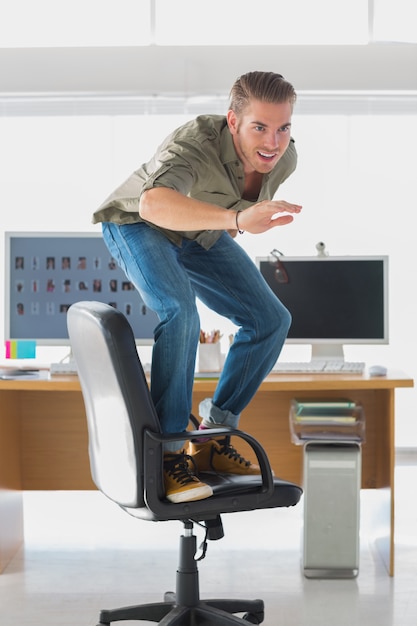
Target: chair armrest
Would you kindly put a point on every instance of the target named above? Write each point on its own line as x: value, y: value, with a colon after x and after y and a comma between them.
x: 153, y: 472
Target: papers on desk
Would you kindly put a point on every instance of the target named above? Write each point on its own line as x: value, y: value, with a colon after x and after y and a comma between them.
x: 14, y: 373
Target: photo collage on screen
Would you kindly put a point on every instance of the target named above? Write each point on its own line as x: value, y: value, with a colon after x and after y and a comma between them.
x: 48, y: 275
x: 55, y: 282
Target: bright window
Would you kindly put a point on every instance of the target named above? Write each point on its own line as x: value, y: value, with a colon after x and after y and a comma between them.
x: 109, y: 23
x: 79, y: 23
x: 269, y: 22
x: 395, y: 21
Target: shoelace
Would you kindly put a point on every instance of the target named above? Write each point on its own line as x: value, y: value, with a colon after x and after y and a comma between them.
x: 178, y: 467
x: 228, y: 450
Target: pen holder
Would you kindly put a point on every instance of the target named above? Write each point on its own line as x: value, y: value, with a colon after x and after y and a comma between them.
x: 209, y: 357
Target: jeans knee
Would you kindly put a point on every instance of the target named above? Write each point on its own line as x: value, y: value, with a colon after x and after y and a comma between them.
x: 183, y: 322
x: 286, y: 319
x: 278, y: 322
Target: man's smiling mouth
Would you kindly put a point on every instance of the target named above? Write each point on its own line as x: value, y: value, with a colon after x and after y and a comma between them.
x: 267, y: 155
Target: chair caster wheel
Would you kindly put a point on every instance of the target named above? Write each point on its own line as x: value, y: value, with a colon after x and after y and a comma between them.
x: 254, y: 618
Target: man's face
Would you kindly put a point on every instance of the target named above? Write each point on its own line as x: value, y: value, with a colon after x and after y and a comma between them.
x: 261, y: 134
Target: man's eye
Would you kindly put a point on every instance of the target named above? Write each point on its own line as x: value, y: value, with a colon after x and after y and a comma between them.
x: 260, y: 128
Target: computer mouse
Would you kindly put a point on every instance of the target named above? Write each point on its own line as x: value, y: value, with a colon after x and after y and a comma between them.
x: 377, y: 370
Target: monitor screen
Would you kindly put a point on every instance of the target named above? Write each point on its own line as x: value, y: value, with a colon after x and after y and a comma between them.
x: 46, y: 272
x: 333, y: 300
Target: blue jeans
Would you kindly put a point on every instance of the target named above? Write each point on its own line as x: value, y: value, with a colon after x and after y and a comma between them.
x: 169, y: 279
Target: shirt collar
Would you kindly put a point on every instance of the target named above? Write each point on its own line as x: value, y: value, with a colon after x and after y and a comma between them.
x: 227, y: 148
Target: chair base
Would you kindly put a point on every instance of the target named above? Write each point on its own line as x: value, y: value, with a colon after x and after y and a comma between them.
x: 168, y: 613
x: 184, y: 607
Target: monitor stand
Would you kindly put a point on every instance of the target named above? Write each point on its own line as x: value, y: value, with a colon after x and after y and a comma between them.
x: 327, y: 352
x: 65, y: 366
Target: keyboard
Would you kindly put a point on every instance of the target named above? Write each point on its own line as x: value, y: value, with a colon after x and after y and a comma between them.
x: 67, y: 368
x: 319, y: 367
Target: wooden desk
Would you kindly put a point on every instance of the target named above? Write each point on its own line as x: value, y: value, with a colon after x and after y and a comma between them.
x: 43, y: 438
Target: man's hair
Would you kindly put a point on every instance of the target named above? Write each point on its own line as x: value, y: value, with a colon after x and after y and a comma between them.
x: 263, y: 86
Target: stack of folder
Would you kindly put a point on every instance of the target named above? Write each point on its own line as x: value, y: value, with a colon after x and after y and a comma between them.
x: 338, y: 419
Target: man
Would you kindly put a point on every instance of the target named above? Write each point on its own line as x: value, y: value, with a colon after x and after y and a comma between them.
x: 171, y: 227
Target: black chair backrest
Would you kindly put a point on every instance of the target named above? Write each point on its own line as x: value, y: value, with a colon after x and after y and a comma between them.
x: 116, y: 397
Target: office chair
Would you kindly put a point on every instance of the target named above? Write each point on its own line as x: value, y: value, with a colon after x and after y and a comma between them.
x: 126, y: 459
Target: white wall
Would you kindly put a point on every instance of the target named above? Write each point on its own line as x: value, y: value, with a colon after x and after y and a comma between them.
x: 356, y: 181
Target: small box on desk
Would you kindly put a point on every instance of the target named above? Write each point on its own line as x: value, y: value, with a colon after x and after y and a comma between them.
x: 209, y: 357
x: 326, y: 420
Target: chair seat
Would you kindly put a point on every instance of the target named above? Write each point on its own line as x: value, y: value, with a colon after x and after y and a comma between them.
x: 285, y: 494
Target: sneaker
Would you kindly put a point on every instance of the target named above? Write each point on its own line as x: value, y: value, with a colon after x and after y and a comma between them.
x: 219, y: 456
x: 181, y: 483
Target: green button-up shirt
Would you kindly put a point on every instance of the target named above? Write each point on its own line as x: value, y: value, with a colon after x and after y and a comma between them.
x: 199, y: 160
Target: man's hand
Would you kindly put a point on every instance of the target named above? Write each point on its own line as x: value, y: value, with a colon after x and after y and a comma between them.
x: 266, y: 215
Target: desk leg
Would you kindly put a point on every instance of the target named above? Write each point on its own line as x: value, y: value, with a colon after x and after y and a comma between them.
x: 378, y: 462
x: 11, y: 525
x: 385, y: 439
x: 11, y: 501
x: 382, y: 528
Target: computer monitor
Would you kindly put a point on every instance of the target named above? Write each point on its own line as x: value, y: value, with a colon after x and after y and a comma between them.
x: 333, y: 301
x: 45, y: 272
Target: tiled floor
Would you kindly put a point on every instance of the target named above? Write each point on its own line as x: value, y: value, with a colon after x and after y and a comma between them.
x: 82, y: 554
